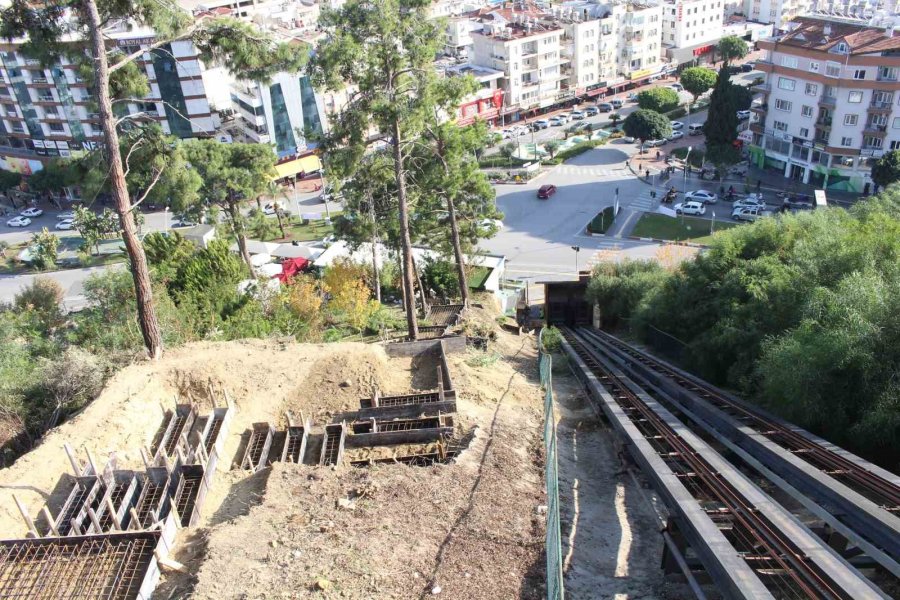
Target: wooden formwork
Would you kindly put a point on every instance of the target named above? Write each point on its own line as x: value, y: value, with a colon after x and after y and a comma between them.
x: 122, y: 491
x: 333, y: 444
x: 257, y: 452
x: 178, y: 425
x: 373, y: 432
x: 154, y: 502
x: 295, y: 443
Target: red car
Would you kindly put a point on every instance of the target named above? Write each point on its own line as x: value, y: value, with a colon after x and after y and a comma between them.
x: 546, y: 191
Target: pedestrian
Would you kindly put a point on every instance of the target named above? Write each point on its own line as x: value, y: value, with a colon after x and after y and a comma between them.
x: 648, y: 173
x: 758, y: 184
x: 657, y: 155
x: 626, y: 164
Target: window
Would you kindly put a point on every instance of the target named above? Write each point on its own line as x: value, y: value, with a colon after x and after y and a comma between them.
x: 832, y: 69
x: 872, y: 142
x: 851, y: 119
x: 806, y: 111
x: 859, y: 74
x: 855, y: 97
x: 789, y: 61
x: 842, y: 48
x: 845, y: 141
x: 896, y: 123
x: 887, y: 73
x: 779, y: 126
x: 57, y: 127
x: 812, y: 89
x: 813, y: 66
x: 786, y: 84
x: 895, y: 145
x: 804, y: 132
x: 783, y: 105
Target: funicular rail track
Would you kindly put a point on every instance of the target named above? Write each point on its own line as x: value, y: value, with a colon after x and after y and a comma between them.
x: 788, y: 561
x: 863, y: 496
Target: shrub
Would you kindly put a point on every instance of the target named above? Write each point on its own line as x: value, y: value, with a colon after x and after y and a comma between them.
x: 677, y: 113
x: 551, y: 339
x: 43, y: 249
x: 661, y: 99
x: 602, y: 221
x: 439, y: 275
x: 70, y: 381
x: 43, y: 296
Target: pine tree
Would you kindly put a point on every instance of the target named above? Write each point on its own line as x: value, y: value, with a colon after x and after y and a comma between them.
x: 721, y: 125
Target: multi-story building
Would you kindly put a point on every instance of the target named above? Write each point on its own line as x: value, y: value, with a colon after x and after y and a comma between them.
x: 830, y: 102
x: 691, y: 29
x: 579, y: 48
x: 486, y: 103
x: 47, y: 112
x: 776, y: 12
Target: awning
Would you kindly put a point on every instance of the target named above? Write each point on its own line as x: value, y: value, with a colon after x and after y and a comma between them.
x: 305, y: 164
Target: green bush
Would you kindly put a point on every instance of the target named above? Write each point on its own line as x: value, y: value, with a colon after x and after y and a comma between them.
x: 574, y: 151
x: 660, y: 99
x: 619, y: 288
x: 677, y: 113
x: 603, y: 221
x: 551, y: 339
x: 500, y: 162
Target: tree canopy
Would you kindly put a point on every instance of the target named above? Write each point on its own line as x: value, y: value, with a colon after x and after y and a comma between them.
x: 697, y: 80
x: 721, y: 123
x: 660, y: 99
x: 732, y: 47
x: 647, y: 125
x: 886, y: 169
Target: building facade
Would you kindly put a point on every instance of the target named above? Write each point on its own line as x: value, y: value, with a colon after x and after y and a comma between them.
x: 691, y: 29
x: 830, y: 103
x: 776, y: 12
x: 50, y: 112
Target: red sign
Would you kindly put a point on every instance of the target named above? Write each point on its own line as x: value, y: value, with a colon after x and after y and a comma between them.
x: 702, y: 50
x: 486, y: 108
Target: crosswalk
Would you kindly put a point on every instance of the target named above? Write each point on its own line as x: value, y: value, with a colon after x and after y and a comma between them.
x: 599, y: 172
x: 644, y: 202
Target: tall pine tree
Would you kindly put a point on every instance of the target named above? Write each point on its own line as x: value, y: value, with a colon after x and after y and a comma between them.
x: 721, y: 124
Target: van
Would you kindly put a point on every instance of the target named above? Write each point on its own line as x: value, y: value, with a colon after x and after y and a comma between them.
x: 696, y: 129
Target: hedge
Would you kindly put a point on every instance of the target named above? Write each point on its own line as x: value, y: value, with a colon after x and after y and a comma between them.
x: 497, y: 161
x: 574, y: 151
x: 602, y: 222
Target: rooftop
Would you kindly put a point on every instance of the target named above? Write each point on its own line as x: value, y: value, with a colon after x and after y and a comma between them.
x: 824, y: 34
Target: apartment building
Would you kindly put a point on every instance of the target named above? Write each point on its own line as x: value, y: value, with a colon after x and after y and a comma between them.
x: 487, y: 102
x: 830, y: 104
x: 48, y: 112
x: 776, y: 12
x: 691, y: 29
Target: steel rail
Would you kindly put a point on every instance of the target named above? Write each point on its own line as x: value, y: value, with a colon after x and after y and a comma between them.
x: 777, y: 549
x: 879, y: 490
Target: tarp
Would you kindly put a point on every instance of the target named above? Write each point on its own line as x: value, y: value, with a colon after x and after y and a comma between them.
x: 291, y: 267
x: 306, y: 164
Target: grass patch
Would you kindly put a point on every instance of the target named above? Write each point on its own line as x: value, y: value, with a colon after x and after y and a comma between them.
x: 477, y: 277
x: 306, y: 231
x: 602, y: 221
x: 696, y: 158
x: 666, y: 228
x: 499, y: 162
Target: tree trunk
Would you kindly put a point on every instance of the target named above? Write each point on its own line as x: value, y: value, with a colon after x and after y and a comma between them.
x: 420, y: 286
x: 458, y: 253
x: 280, y: 216
x: 147, y: 318
x: 405, y: 242
x: 376, y: 276
x: 238, y: 226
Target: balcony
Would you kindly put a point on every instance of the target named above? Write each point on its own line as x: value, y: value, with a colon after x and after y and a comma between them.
x: 880, y: 106
x: 827, y: 100
x: 39, y: 80
x: 762, y: 108
x: 761, y: 88
x: 45, y: 99
x: 886, y: 77
x: 757, y: 128
x: 824, y: 123
x: 875, y: 130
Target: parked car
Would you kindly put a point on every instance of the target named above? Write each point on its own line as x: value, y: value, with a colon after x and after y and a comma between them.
x: 490, y: 224
x: 676, y: 125
x: 66, y: 225
x: 702, y: 196
x: 690, y: 208
x: 605, y: 107
x: 632, y: 97
x: 797, y: 204
x: 747, y: 67
x: 591, y: 111
x: 696, y: 129
x: 628, y: 139
x: 180, y: 222
x: 557, y: 121
x: 676, y: 135
x: 69, y: 214
x: 31, y: 212
x: 677, y: 87
x: 506, y: 133
x: 617, y: 103
x: 577, y: 115
x: 546, y: 191
x: 655, y: 143
x: 748, y: 213
x: 541, y: 124
x: 18, y: 222
x: 743, y: 115
x: 519, y: 130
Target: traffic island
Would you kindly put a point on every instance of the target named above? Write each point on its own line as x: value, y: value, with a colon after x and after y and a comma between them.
x: 600, y: 224
x: 658, y: 227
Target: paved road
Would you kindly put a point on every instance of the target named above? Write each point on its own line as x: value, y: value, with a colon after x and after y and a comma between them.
x: 71, y: 281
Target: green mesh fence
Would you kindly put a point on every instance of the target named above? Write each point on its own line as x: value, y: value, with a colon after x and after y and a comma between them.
x: 555, y: 589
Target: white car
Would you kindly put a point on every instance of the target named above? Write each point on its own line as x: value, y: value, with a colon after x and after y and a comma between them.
x: 577, y: 115
x: 66, y: 225
x: 749, y: 202
x: 676, y: 125
x: 270, y: 208
x: 690, y: 208
x: 18, y: 222
x: 31, y: 212
x: 491, y: 224
x: 748, y: 213
x: 677, y: 87
x: 743, y: 115
x: 181, y: 222
x: 654, y: 143
x: 676, y: 135
x: 702, y: 196
x: 557, y: 121
x: 628, y: 139
x: 69, y: 214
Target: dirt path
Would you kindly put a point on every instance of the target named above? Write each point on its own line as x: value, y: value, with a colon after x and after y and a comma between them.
x: 611, y: 542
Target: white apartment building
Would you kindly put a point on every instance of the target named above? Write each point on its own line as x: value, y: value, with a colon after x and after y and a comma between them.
x: 48, y: 112
x: 691, y: 29
x: 830, y: 104
x: 776, y: 12
x: 579, y: 47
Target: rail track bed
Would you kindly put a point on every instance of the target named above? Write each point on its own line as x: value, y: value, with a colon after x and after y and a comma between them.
x: 748, y: 544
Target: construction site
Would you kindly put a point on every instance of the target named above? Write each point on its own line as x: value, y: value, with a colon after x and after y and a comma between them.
x: 452, y: 466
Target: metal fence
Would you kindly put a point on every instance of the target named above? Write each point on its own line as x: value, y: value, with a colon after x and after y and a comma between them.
x: 555, y: 589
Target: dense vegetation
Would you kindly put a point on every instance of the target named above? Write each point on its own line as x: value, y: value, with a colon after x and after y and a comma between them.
x: 800, y: 313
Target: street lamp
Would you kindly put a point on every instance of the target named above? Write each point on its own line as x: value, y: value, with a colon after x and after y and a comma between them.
x: 577, y: 249
x: 166, y: 222
x: 687, y: 165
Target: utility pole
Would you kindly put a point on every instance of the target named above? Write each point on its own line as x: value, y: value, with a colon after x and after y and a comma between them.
x: 577, y: 249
